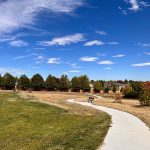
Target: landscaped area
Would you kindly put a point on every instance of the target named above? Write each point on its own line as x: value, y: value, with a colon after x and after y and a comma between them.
x: 27, y: 124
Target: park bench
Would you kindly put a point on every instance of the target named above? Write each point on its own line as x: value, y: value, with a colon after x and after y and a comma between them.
x: 90, y: 99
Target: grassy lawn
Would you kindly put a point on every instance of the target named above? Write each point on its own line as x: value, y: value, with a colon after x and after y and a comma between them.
x: 28, y: 125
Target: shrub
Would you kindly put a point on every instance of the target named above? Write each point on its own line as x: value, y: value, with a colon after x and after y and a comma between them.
x: 145, y: 94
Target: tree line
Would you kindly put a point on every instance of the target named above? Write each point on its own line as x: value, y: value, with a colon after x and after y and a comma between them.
x: 130, y: 89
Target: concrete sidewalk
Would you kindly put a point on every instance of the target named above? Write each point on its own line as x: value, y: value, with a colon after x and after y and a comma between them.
x: 127, y: 131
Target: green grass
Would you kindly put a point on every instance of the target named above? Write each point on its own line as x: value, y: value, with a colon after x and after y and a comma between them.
x: 28, y: 125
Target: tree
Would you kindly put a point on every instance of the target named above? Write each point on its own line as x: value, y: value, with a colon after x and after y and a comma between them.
x: 137, y: 88
x: 144, y: 97
x: 84, y: 83
x: 75, y: 84
x: 8, y: 81
x: 1, y: 81
x: 24, y: 82
x: 51, y: 83
x: 128, y: 92
x: 97, y: 86
x: 114, y: 87
x: 37, y: 82
x: 64, y: 83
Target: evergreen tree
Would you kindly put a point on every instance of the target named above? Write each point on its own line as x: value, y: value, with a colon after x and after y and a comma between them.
x: 97, y: 86
x: 84, y: 83
x: 75, y: 84
x: 37, y: 82
x: 64, y: 83
x: 51, y: 83
x: 8, y: 81
x: 24, y: 82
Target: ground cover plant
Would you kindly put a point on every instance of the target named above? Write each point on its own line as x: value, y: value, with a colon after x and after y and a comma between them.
x: 25, y: 124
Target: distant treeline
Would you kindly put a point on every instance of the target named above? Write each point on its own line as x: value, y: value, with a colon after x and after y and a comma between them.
x: 130, y: 89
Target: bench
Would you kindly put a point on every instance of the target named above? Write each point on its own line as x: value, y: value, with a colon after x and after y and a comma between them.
x: 90, y: 99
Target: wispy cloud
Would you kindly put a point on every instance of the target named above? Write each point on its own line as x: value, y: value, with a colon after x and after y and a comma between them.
x: 141, y: 64
x: 118, y: 56
x: 95, y: 42
x: 75, y: 66
x: 18, y: 43
x: 136, y: 5
x: 63, y: 41
x: 106, y: 62
x: 88, y: 59
x: 54, y: 61
x: 17, y: 14
x: 113, y: 43
x: 14, y: 71
x: 108, y: 68
x: 101, y: 32
x: 74, y: 71
x: 25, y: 56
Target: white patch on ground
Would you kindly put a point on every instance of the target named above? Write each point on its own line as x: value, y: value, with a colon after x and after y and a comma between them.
x: 127, y: 131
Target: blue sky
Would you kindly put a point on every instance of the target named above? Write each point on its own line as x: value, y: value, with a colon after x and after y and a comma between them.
x: 105, y: 39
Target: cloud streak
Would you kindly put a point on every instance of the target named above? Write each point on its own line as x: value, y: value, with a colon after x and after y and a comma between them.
x: 63, y: 41
x: 17, y: 14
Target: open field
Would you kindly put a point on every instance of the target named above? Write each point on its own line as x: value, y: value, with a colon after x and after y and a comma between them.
x: 127, y: 105
x: 25, y: 124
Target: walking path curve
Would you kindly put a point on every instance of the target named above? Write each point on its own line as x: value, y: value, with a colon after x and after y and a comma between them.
x: 127, y: 132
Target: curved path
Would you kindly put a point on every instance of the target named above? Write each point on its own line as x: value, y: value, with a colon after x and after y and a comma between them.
x: 127, y: 132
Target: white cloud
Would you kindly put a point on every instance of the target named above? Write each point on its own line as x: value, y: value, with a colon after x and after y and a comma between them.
x: 13, y: 71
x: 88, y: 59
x: 118, y: 56
x: 18, y: 43
x: 146, y: 45
x: 101, y: 32
x: 108, y: 68
x: 25, y: 56
x: 74, y: 71
x: 134, y: 5
x: 54, y: 61
x: 17, y: 14
x: 147, y: 53
x: 75, y: 66
x: 141, y: 64
x: 62, y: 41
x: 106, y: 62
x: 95, y: 42
x: 113, y: 43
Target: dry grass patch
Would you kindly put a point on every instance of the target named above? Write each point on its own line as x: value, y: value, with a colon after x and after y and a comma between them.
x: 127, y: 105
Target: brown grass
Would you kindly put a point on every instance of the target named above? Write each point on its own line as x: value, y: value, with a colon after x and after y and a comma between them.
x: 59, y: 99
x: 127, y: 105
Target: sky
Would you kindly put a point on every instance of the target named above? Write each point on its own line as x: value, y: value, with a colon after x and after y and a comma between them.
x: 105, y: 39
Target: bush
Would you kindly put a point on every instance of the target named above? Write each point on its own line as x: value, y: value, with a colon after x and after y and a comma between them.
x: 145, y: 95
x: 129, y: 92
